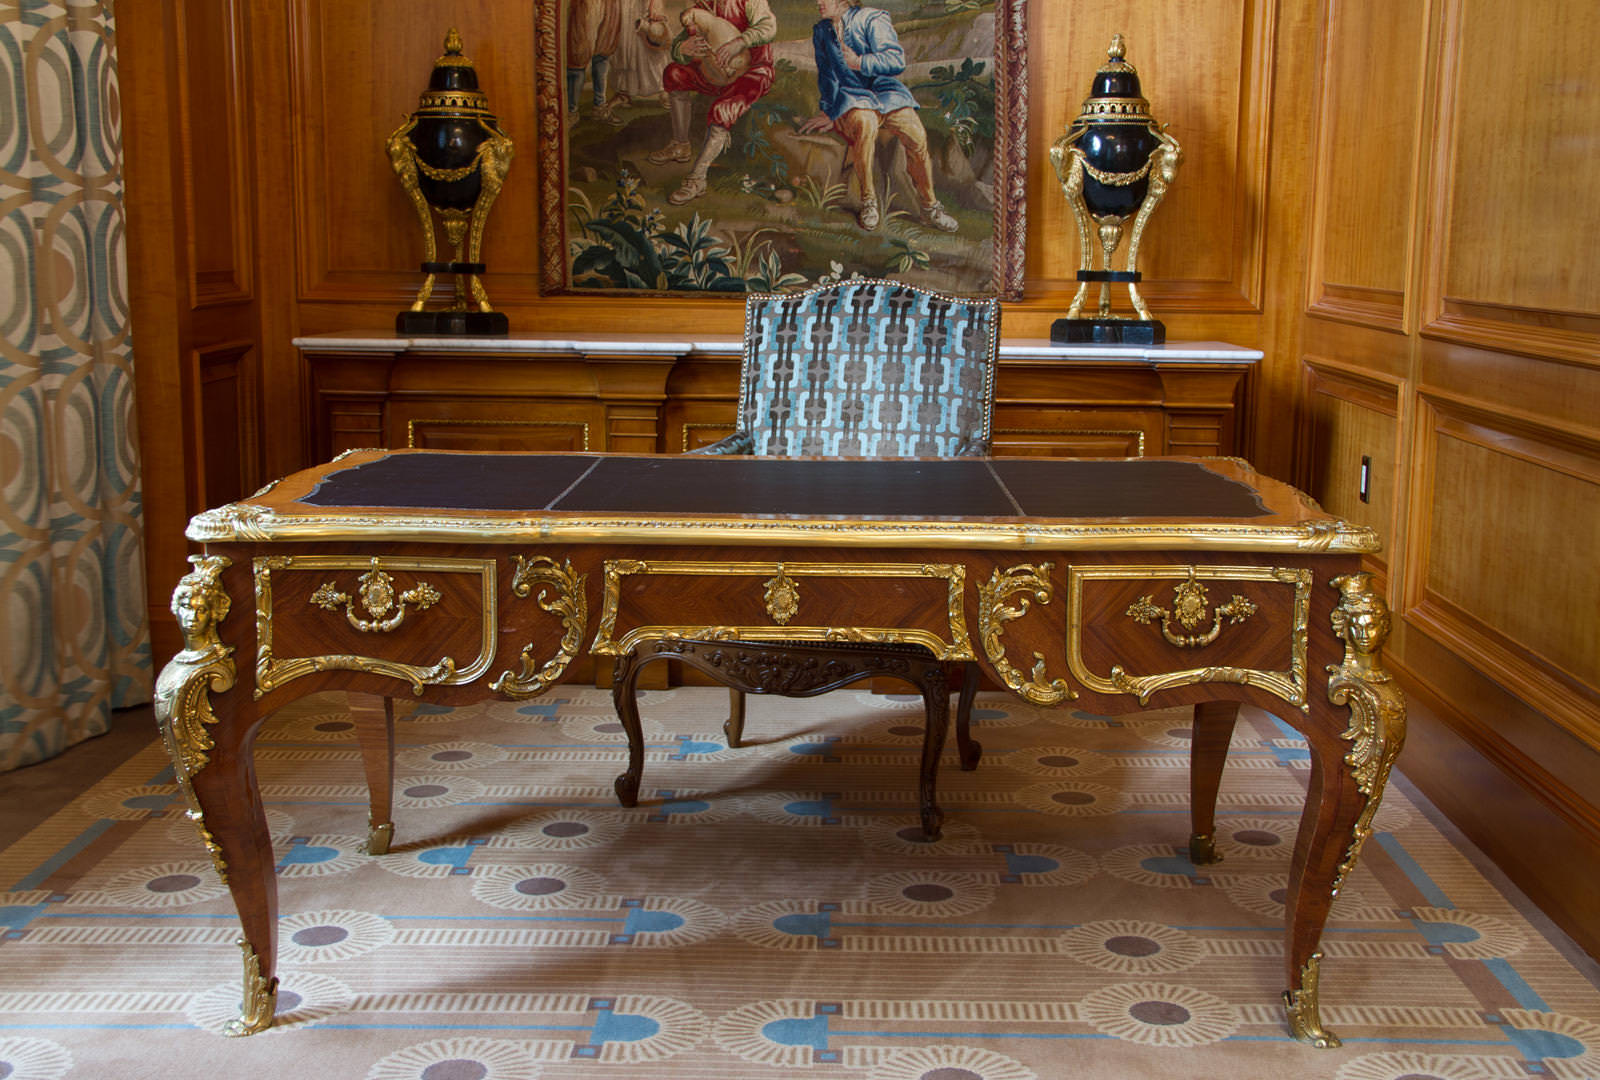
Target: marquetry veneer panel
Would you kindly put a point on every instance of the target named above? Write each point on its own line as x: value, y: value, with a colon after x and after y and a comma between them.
x: 415, y: 620
x: 1155, y: 627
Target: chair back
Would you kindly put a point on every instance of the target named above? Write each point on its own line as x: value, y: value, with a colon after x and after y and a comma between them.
x: 868, y: 368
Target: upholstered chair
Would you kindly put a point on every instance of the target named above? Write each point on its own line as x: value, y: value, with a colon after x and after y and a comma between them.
x: 865, y: 369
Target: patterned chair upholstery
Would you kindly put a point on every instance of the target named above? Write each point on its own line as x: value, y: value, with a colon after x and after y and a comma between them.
x: 864, y: 368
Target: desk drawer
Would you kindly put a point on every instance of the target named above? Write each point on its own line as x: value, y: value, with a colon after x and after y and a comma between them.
x: 1142, y: 629
x: 916, y: 603
x: 420, y: 620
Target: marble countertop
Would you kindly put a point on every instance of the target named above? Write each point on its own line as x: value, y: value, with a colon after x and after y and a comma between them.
x: 730, y: 345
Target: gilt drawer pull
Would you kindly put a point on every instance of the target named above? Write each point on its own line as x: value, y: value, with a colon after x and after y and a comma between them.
x: 1190, y: 610
x: 376, y: 591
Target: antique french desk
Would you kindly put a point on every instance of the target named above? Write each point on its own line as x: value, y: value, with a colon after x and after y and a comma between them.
x: 1112, y: 585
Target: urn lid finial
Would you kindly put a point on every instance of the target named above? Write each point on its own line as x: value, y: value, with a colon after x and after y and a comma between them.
x: 1114, y: 96
x: 453, y: 86
x: 452, y: 52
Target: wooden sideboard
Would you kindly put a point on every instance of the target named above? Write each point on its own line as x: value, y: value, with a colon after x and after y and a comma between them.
x: 642, y: 393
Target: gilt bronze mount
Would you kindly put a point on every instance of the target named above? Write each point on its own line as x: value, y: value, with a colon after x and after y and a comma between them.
x: 451, y: 158
x: 1114, y: 163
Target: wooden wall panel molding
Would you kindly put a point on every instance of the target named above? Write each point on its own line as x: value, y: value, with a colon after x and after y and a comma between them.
x: 1578, y: 808
x: 211, y: 56
x: 1352, y: 412
x: 223, y: 417
x: 1366, y: 163
x: 1208, y: 70
x: 358, y: 67
x: 1542, y: 829
x: 1500, y: 563
x: 1510, y: 263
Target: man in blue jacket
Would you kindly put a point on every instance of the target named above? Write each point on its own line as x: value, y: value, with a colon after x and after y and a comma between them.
x: 858, y: 58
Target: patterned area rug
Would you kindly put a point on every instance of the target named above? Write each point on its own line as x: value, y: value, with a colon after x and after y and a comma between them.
x: 767, y: 912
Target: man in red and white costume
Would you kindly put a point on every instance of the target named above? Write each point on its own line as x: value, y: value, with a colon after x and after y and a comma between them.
x: 684, y: 79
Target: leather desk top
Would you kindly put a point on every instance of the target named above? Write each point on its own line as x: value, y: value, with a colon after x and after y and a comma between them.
x: 979, y: 502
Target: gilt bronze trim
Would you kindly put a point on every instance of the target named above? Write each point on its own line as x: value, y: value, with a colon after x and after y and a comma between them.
x: 1377, y: 728
x: 1189, y: 605
x: 377, y: 594
x: 1290, y: 685
x: 247, y: 522
x: 183, y: 689
x: 273, y: 672
x: 957, y: 647
x: 260, y: 999
x: 568, y: 602
x: 1304, y: 1014
x: 993, y: 614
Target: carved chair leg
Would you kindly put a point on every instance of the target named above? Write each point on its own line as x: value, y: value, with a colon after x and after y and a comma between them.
x: 936, y: 700
x: 969, y: 749
x: 374, y: 720
x: 625, y: 699
x: 1208, y: 753
x: 733, y: 726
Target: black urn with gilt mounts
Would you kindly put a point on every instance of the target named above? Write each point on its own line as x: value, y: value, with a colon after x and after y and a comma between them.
x: 451, y: 158
x: 1114, y: 163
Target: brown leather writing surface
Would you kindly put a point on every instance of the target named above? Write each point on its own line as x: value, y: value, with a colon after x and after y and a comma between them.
x: 1085, y: 488
x: 460, y: 481
x: 811, y: 488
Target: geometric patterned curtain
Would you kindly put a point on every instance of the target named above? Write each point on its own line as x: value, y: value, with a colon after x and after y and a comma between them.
x: 74, y: 640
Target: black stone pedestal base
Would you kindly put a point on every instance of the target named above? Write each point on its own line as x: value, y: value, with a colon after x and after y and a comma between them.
x: 452, y: 323
x: 1108, y: 332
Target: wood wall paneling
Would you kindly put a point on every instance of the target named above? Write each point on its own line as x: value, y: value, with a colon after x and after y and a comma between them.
x: 1351, y: 420
x: 358, y: 69
x: 147, y: 68
x: 1512, y: 210
x: 227, y: 448
x: 1206, y: 68
x: 1539, y: 830
x: 1503, y: 568
x: 216, y: 185
x: 1469, y: 373
x: 1366, y: 161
